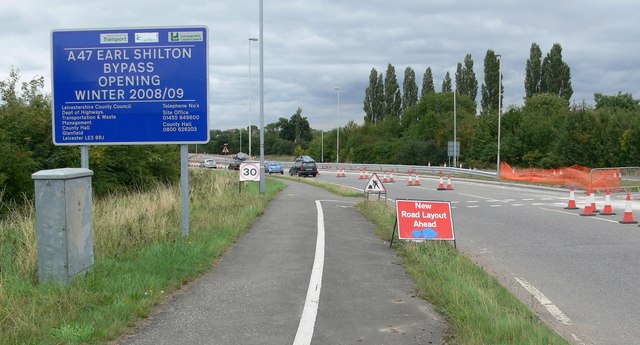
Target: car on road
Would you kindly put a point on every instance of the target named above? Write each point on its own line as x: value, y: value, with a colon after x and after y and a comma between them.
x: 274, y: 168
x: 304, y: 168
x: 209, y: 163
x: 235, y: 164
x: 237, y: 160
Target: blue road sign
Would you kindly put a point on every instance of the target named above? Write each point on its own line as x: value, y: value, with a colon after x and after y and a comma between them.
x: 130, y: 86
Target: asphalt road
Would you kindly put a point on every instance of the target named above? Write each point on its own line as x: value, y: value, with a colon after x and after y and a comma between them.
x: 309, y: 271
x: 578, y: 273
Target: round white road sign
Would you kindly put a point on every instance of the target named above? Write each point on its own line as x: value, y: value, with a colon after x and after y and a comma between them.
x: 249, y: 171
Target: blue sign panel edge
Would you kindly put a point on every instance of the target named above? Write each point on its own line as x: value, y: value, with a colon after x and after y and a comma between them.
x: 135, y: 141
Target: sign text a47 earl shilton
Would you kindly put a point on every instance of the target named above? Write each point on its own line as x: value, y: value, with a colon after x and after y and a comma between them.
x: 130, y: 86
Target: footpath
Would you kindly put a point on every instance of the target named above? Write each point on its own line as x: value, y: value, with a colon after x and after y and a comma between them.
x: 256, y: 293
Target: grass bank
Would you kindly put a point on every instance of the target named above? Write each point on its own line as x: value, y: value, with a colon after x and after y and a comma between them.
x: 140, y: 257
x: 331, y: 187
x: 480, y: 311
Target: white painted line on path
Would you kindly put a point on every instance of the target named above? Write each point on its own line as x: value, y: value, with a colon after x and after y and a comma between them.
x: 555, y: 311
x: 310, y: 311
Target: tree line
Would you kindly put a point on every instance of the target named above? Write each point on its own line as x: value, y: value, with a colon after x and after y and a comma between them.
x: 402, y: 125
x: 410, y: 125
x: 26, y: 146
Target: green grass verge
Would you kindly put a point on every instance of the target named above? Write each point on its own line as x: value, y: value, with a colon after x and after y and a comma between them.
x: 331, y: 187
x: 140, y: 258
x: 480, y: 311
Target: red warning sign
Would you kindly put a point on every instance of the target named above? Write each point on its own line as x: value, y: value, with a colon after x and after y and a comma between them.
x: 424, y: 220
x: 374, y: 185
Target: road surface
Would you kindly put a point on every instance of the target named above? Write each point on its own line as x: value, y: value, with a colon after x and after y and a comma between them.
x: 309, y: 271
x: 581, y: 274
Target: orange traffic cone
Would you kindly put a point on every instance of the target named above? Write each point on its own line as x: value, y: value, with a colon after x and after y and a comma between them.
x: 441, y: 185
x: 593, y: 202
x: 572, y: 200
x: 366, y: 174
x: 392, y: 179
x: 410, y: 181
x: 384, y: 179
x: 361, y: 175
x: 588, y: 209
x: 417, y: 180
x: 628, y: 213
x: 608, y: 210
x: 449, y: 186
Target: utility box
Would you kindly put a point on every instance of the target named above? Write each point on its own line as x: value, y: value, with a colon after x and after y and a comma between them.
x: 64, y: 223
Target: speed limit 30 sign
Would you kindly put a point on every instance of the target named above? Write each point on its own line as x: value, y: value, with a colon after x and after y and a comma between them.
x: 249, y: 171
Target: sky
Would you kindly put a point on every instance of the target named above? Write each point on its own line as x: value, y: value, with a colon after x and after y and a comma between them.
x: 313, y: 47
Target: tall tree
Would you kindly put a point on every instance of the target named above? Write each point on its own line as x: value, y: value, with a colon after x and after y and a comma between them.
x: 392, y: 100
x: 490, y: 87
x: 556, y: 74
x: 446, y: 83
x: 372, y: 101
x: 380, y: 106
x: 466, y: 82
x: 427, y: 83
x: 409, y: 89
x: 533, y: 74
x: 296, y: 129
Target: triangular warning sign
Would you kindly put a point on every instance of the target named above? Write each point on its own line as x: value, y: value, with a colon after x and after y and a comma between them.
x: 375, y: 185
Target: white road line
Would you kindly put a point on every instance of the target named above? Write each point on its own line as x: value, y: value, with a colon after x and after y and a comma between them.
x: 477, y: 196
x: 555, y: 311
x: 578, y: 215
x: 578, y: 340
x: 310, y: 311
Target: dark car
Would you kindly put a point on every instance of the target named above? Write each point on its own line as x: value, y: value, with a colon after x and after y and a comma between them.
x: 235, y: 164
x: 304, y: 168
x: 237, y: 160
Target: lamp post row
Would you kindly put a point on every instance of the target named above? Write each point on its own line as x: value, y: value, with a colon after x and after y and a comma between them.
x: 499, y: 111
x: 251, y: 39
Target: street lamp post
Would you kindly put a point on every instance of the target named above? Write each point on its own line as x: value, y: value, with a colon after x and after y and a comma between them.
x: 455, y: 129
x: 322, y: 145
x: 499, y: 110
x: 250, y: 94
x: 337, y: 89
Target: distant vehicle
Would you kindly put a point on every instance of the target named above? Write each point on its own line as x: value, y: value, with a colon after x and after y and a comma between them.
x: 304, y: 168
x: 235, y: 164
x: 304, y: 159
x: 274, y: 168
x: 209, y: 163
x: 237, y: 160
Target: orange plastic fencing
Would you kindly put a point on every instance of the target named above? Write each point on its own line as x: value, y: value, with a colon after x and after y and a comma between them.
x: 575, y: 175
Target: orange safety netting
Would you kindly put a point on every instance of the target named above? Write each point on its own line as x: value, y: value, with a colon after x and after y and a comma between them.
x: 574, y: 175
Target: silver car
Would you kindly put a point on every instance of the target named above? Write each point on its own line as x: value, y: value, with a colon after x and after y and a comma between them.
x: 209, y: 163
